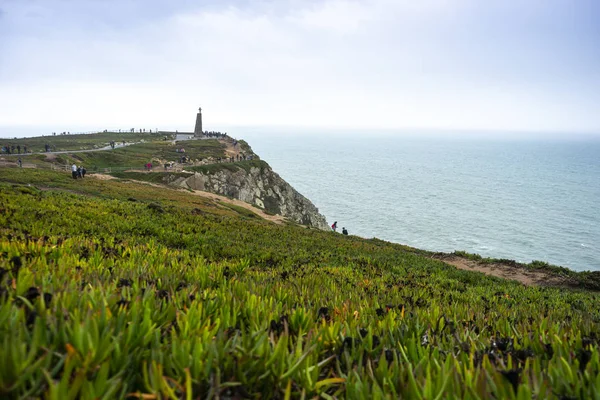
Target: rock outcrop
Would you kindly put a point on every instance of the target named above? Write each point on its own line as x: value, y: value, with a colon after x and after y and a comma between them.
x: 255, y: 183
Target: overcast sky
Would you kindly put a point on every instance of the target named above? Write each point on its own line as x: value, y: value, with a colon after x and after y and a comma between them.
x: 456, y: 64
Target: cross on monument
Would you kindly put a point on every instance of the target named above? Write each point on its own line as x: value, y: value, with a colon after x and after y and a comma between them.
x: 200, y: 110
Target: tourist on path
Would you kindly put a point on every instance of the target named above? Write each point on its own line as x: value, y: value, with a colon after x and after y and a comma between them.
x: 334, y: 226
x: 20, y: 162
x: 344, y: 231
x: 74, y: 171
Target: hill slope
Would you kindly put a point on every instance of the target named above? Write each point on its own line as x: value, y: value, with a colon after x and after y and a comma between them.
x: 226, y: 167
x: 112, y: 289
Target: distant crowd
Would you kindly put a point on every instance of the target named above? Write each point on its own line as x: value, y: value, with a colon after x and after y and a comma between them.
x: 130, y: 130
x: 18, y: 149
x: 12, y: 149
x: 213, y: 134
x: 238, y: 157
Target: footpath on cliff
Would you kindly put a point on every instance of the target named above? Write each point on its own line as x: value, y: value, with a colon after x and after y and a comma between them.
x: 505, y: 270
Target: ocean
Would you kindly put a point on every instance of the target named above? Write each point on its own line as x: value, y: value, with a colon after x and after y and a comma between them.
x: 517, y: 199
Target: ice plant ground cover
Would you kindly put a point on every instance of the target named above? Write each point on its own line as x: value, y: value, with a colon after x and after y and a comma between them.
x: 114, y: 289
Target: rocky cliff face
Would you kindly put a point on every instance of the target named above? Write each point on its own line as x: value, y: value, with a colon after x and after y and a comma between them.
x: 256, y: 183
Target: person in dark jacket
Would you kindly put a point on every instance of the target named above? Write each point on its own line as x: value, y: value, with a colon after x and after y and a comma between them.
x: 344, y: 231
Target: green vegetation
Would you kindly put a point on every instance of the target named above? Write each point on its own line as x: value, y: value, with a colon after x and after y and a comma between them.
x: 136, y: 156
x: 132, y: 156
x: 112, y: 289
x: 82, y: 141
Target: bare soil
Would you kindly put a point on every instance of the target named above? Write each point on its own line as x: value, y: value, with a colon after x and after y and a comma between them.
x: 278, y: 219
x: 526, y: 276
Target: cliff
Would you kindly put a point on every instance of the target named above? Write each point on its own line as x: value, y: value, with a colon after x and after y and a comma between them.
x: 256, y: 183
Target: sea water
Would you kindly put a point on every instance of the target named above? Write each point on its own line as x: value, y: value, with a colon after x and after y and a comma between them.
x: 517, y: 199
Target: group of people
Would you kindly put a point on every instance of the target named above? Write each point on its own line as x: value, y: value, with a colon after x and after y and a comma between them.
x: 78, y: 171
x: 334, y: 228
x: 213, y: 134
x: 12, y: 149
x: 132, y: 130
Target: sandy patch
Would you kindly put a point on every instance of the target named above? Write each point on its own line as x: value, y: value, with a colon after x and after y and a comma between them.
x: 278, y: 219
x: 231, y: 150
x: 102, y: 177
x: 506, y: 271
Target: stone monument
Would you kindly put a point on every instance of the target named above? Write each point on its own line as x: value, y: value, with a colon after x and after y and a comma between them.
x: 198, y: 129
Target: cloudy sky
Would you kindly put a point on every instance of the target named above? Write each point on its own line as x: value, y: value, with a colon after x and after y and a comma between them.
x: 453, y: 64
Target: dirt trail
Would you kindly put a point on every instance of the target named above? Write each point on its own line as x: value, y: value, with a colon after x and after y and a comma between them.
x: 517, y: 273
x: 47, y: 153
x: 277, y: 219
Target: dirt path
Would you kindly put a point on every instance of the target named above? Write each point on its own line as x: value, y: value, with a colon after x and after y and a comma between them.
x: 517, y: 273
x: 277, y: 219
x: 49, y: 153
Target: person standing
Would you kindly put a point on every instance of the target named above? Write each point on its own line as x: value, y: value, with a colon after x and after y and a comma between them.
x: 344, y: 231
x: 74, y: 171
x: 334, y: 226
x: 83, y: 171
x: 20, y: 162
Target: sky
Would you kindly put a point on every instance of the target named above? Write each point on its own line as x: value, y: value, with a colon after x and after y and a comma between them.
x: 494, y: 65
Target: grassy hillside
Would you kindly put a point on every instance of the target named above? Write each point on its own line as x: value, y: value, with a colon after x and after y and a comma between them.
x: 132, y: 156
x: 136, y: 156
x: 81, y: 141
x: 111, y: 289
